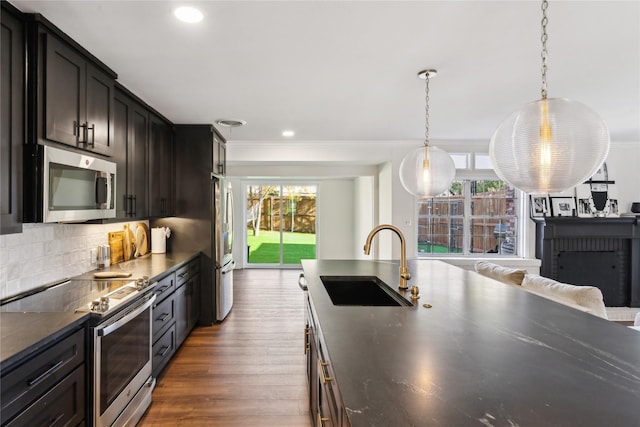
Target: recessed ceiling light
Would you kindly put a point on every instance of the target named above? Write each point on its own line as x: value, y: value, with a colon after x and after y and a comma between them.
x: 188, y: 14
x: 231, y: 123
x: 288, y: 133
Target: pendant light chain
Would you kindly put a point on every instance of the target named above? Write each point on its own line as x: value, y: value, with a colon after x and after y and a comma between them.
x: 545, y: 20
x: 426, y: 110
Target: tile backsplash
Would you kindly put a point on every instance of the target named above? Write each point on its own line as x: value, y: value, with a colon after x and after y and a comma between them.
x: 45, y: 253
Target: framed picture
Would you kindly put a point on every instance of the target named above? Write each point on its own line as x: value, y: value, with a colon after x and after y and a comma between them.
x: 539, y: 206
x: 563, y: 206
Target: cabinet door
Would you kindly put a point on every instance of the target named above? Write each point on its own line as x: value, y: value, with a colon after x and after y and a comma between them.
x: 121, y: 140
x: 138, y: 172
x: 182, y: 313
x: 99, y: 118
x: 222, y: 158
x: 161, y: 168
x: 194, y: 304
x: 65, y: 94
x: 11, y: 123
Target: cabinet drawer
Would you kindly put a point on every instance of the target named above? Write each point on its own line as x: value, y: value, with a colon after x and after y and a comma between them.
x: 182, y: 275
x: 63, y: 405
x: 163, y: 349
x: 164, y: 314
x: 165, y: 287
x: 194, y: 266
x: 32, y: 379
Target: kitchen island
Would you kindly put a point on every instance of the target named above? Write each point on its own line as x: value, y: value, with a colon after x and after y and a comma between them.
x: 484, y: 353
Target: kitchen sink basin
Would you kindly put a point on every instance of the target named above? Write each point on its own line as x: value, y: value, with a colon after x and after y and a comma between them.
x: 361, y: 290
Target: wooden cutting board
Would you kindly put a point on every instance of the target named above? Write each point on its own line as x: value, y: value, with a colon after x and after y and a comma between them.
x: 142, y: 239
x: 129, y: 243
x: 111, y: 274
x: 116, y: 243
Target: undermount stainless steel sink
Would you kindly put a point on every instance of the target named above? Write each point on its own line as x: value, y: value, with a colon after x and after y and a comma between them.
x: 361, y: 290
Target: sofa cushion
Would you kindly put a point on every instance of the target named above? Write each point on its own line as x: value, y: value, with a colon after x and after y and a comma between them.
x: 588, y: 297
x: 507, y: 275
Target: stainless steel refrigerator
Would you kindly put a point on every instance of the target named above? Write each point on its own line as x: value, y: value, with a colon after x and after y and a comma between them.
x: 204, y: 218
x: 223, y: 241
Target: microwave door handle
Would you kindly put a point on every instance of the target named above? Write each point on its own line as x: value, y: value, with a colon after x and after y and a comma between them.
x: 109, y: 188
x: 102, y: 187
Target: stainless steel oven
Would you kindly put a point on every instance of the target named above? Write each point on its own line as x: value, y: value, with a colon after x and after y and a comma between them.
x: 123, y: 382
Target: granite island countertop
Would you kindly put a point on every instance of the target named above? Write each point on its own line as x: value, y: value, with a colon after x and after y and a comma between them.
x: 24, y: 332
x: 483, y: 354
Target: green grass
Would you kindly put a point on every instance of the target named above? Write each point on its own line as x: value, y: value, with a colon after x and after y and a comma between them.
x: 428, y: 248
x: 265, y: 248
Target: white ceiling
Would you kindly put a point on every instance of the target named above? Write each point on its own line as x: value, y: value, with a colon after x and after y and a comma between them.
x: 346, y: 70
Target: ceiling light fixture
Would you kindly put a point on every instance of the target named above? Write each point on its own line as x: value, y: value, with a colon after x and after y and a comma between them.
x: 288, y: 133
x: 549, y: 145
x: 428, y: 170
x: 188, y: 14
x: 231, y: 123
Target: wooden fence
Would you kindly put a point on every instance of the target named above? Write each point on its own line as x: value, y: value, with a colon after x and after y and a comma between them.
x: 440, y: 222
x: 298, y: 213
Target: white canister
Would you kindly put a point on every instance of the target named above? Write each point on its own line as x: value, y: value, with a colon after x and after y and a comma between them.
x: 159, y: 236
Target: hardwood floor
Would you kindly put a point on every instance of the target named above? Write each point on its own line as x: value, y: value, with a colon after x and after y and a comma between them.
x: 249, y: 370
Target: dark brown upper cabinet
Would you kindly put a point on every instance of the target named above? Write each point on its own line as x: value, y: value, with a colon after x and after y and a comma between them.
x: 219, y: 154
x: 131, y: 120
x: 161, y: 168
x: 72, y: 93
x: 12, y: 66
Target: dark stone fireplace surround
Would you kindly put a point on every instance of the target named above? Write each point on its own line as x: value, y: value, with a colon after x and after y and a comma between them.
x: 602, y: 252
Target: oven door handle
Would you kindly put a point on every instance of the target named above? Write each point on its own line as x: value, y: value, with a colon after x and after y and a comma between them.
x: 107, y: 328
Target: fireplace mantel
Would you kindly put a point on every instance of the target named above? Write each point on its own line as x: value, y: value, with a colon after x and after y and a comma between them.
x: 603, y: 252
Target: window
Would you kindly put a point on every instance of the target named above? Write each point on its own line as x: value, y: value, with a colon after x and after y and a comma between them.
x: 473, y: 217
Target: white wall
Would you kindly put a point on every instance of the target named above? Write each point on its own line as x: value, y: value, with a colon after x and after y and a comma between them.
x: 364, y: 215
x: 336, y: 228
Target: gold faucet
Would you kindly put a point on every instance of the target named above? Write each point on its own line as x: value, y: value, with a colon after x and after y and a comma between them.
x: 404, y: 270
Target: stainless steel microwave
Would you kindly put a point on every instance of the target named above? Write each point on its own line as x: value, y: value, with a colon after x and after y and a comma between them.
x: 74, y: 187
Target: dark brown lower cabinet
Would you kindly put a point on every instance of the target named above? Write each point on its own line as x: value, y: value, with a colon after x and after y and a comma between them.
x: 63, y: 405
x: 49, y: 387
x: 175, y: 312
x: 325, y: 403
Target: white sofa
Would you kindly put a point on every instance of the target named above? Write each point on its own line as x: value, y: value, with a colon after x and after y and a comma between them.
x: 585, y: 298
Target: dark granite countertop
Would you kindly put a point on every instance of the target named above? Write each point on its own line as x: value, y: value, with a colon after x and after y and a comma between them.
x: 22, y: 333
x: 152, y: 265
x: 484, y: 354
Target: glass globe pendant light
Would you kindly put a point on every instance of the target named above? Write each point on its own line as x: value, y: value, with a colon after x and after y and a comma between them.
x: 549, y: 145
x: 428, y: 170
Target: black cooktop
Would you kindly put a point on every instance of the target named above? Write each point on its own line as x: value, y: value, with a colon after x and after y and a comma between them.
x: 75, y: 296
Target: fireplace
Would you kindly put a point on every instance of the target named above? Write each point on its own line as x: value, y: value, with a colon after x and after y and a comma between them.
x: 601, y: 252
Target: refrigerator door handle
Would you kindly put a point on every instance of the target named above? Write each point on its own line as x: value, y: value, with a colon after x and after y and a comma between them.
x: 229, y: 267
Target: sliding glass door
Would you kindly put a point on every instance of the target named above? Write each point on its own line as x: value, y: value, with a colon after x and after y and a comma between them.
x: 281, y: 224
